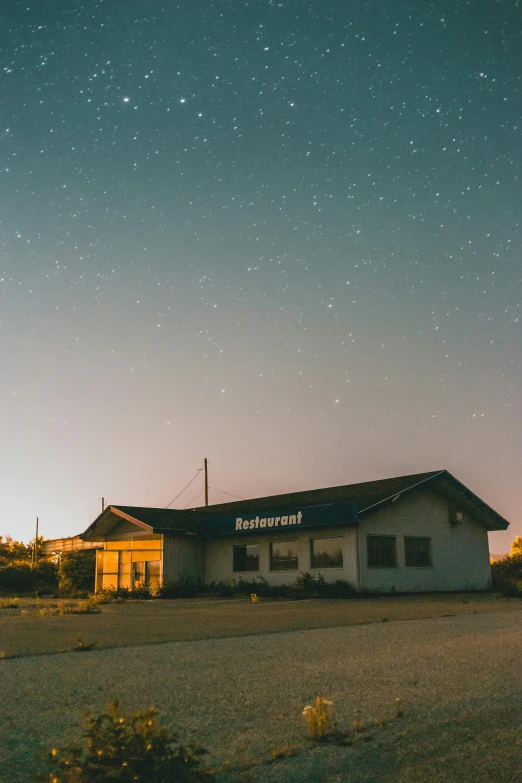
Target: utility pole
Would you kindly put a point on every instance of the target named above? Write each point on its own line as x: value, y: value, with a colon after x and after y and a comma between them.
x: 103, y: 505
x: 34, y: 558
x: 206, y: 482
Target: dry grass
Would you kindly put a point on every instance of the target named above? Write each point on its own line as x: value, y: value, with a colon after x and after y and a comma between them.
x: 69, y: 607
x: 82, y: 646
x: 49, y: 626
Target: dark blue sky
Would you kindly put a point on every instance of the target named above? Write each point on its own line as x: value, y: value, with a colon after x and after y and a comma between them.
x: 285, y: 236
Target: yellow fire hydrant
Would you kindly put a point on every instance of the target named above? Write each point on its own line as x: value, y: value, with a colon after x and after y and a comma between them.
x: 254, y: 598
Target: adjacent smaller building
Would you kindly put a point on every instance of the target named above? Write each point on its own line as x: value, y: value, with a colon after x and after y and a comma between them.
x: 419, y: 533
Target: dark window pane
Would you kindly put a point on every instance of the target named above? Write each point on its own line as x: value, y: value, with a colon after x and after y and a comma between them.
x: 246, y: 558
x: 326, y: 553
x: 283, y: 556
x: 381, y: 552
x: 417, y: 552
x: 138, y: 573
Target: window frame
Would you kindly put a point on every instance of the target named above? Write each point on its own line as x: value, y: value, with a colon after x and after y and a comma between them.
x: 326, y: 538
x: 244, y: 570
x: 378, y: 565
x: 430, y: 551
x: 278, y: 543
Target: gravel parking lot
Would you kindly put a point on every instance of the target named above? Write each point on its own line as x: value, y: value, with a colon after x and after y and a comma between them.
x: 459, y: 677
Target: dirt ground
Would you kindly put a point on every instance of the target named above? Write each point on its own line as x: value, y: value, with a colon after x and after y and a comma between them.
x: 24, y: 631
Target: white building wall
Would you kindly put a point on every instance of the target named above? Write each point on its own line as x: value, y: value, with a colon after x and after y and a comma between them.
x: 218, y: 556
x: 460, y: 550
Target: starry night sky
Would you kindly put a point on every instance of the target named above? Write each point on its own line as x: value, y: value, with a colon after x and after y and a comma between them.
x: 282, y: 235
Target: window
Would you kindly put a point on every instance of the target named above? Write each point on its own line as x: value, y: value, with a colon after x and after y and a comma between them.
x: 381, y: 552
x: 283, y: 556
x: 417, y: 552
x: 246, y: 558
x: 326, y: 553
x: 110, y: 570
x: 99, y: 569
x: 152, y: 574
x: 138, y: 573
x: 125, y: 569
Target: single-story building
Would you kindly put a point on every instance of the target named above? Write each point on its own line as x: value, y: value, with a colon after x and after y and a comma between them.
x: 420, y: 533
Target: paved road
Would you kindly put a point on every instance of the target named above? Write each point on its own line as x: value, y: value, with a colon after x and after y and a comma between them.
x: 460, y: 679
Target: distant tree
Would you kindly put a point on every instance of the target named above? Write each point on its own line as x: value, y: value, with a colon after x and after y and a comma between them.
x: 20, y: 579
x: 516, y: 547
x: 19, y: 574
x: 12, y: 551
x: 507, y: 575
x: 77, y: 571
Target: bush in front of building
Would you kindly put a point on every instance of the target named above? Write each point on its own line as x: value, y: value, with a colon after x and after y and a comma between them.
x: 506, y: 576
x: 186, y: 587
x: 138, y: 593
x: 77, y: 572
x: 125, y: 749
x: 309, y: 586
x: 305, y: 586
x: 21, y: 579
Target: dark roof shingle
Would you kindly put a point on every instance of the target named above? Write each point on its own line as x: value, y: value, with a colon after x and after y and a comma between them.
x: 367, y: 495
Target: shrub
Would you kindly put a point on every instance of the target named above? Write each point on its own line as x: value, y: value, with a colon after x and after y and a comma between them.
x: 506, y: 576
x: 22, y: 579
x: 16, y: 579
x: 77, y: 572
x: 309, y: 586
x: 186, y: 587
x: 12, y: 551
x: 140, y: 592
x: 305, y: 586
x: 118, y: 748
x: 319, y: 718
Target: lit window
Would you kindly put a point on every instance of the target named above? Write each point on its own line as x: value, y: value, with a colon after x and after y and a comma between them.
x: 326, y: 553
x: 110, y: 571
x: 381, y: 552
x: 152, y: 574
x: 125, y: 569
x: 284, y: 556
x: 246, y: 558
x: 417, y: 552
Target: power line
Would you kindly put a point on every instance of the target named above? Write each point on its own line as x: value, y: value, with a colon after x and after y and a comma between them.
x: 227, y: 493
x: 184, y: 488
x: 193, y: 499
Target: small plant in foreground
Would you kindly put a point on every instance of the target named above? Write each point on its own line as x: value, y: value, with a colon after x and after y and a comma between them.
x: 399, y: 709
x: 319, y: 719
x: 123, y: 749
x: 82, y: 646
x: 285, y: 752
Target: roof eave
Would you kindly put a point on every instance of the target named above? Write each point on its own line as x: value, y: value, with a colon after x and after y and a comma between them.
x: 94, y: 533
x: 490, y: 518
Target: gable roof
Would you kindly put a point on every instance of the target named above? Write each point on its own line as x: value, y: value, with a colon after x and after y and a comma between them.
x: 368, y: 495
